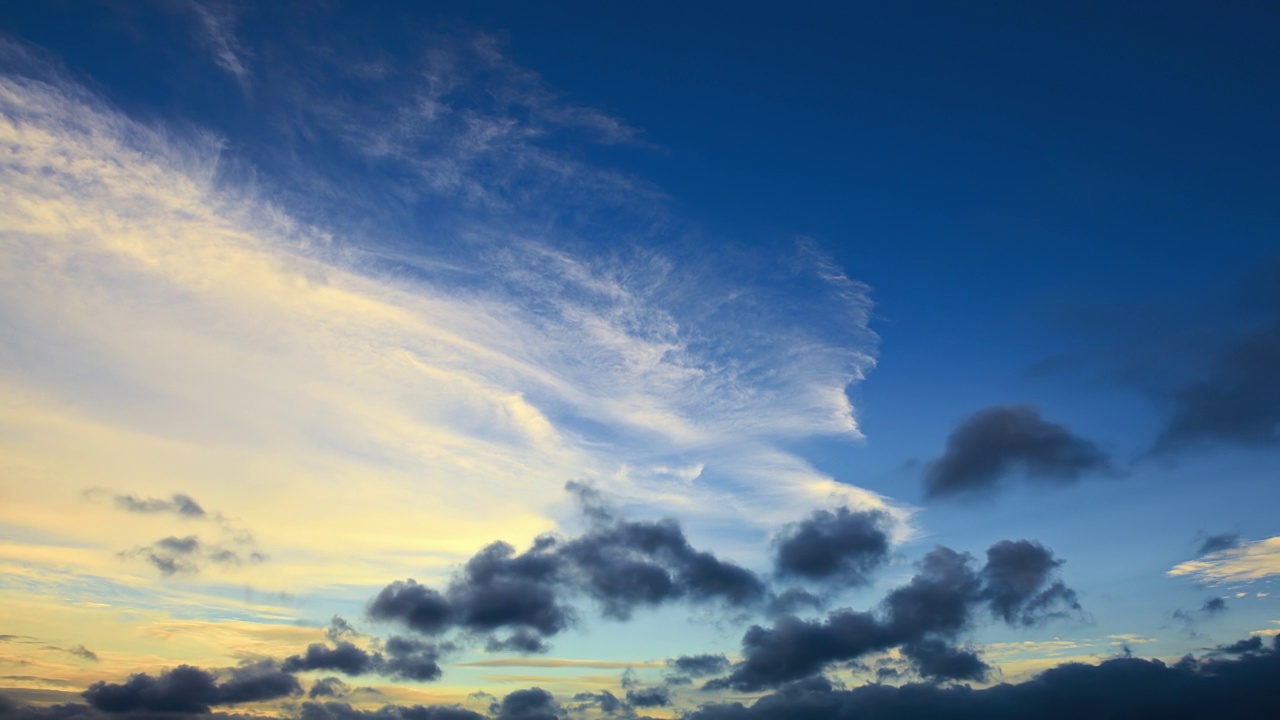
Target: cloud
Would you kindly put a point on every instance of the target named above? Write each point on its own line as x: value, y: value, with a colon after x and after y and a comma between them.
x: 1120, y: 687
x: 279, y: 333
x: 1017, y: 585
x: 649, y: 697
x: 1218, y: 543
x: 188, y: 689
x: 1235, y: 399
x: 342, y: 711
x: 400, y: 657
x: 328, y: 687
x: 188, y: 555
x: 1213, y: 606
x: 834, y: 545
x: 532, y: 704
x: 622, y: 564
x: 924, y: 617
x: 995, y: 442
x: 1250, y: 560
x: 178, y: 504
x: 699, y: 665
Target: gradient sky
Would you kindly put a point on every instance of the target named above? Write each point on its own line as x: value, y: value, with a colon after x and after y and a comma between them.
x: 789, y: 349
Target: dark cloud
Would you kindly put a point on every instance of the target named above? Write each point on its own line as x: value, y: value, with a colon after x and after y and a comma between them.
x: 1235, y: 399
x: 401, y: 657
x: 178, y: 504
x: 342, y: 711
x: 649, y: 697
x: 344, y: 657
x: 1220, y: 542
x: 420, y: 608
x: 1017, y: 586
x: 1240, y: 647
x: 607, y: 702
x: 840, y: 545
x: 998, y: 441
x: 328, y: 687
x: 1117, y: 688
x: 532, y: 704
x: 793, y: 600
x: 924, y: 617
x: 624, y: 565
x: 188, y: 689
x: 937, y: 660
x: 1213, y: 606
x: 83, y: 653
x: 699, y: 665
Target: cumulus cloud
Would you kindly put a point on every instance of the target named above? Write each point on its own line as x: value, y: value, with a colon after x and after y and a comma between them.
x: 924, y: 617
x: 622, y: 564
x: 1000, y: 441
x: 188, y: 689
x: 834, y: 545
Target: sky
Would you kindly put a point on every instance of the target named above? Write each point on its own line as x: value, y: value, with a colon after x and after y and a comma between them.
x: 519, y: 361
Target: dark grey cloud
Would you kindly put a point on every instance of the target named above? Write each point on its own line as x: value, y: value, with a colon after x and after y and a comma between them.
x: 1116, y: 688
x: 177, y: 504
x: 328, y: 687
x: 841, y: 545
x: 1018, y: 587
x: 999, y: 441
x: 517, y: 600
x: 924, y: 617
x: 1213, y: 606
x: 83, y: 653
x: 1219, y: 542
x: 1248, y: 645
x: 532, y: 704
x: 607, y: 702
x: 793, y: 600
x: 1235, y: 399
x: 938, y: 660
x: 188, y: 689
x: 344, y: 657
x: 401, y: 657
x: 649, y: 697
x: 334, y: 710
x: 699, y: 665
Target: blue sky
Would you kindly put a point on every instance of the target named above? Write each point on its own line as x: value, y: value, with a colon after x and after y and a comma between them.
x: 304, y: 302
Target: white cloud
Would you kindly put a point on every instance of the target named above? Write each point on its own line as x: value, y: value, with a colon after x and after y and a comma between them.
x: 1249, y: 561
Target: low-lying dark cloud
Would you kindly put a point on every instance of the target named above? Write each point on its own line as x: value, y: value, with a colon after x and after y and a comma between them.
x: 649, y: 697
x: 329, y: 687
x: 532, y: 704
x: 519, y: 599
x: 699, y: 665
x: 188, y: 689
x: 838, y: 545
x: 1118, y: 688
x: 1000, y: 441
x: 924, y: 617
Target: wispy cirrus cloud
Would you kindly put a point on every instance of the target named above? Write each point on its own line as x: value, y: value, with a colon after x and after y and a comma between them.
x: 458, y: 375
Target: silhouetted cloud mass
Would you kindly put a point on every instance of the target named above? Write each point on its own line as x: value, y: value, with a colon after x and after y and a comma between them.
x: 1117, y: 688
x: 532, y: 704
x: 622, y: 564
x: 999, y: 441
x: 188, y: 689
x: 407, y: 658
x: 1213, y: 606
x: 838, y: 545
x: 699, y: 665
x: 924, y: 617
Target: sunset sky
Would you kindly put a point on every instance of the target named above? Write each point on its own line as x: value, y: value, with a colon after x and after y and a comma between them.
x: 713, y: 360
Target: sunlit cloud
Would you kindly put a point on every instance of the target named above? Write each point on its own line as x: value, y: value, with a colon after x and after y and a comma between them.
x: 1244, y: 563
